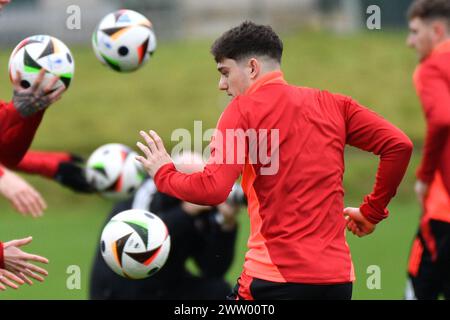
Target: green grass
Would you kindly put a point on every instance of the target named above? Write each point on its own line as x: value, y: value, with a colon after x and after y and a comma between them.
x: 68, y: 235
x: 178, y: 86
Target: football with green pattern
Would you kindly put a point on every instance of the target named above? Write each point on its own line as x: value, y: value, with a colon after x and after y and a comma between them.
x: 113, y: 171
x: 135, y: 244
x: 124, y: 40
x: 39, y: 52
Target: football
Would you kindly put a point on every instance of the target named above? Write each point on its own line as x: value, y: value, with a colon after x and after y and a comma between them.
x: 135, y: 244
x: 124, y: 40
x: 42, y: 52
x: 113, y: 171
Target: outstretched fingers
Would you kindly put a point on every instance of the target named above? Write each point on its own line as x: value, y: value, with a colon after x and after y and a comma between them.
x: 145, y: 150
x: 150, y: 143
x: 33, y: 275
x: 37, y: 83
x: 18, y: 242
x: 36, y: 258
x: 56, y: 95
x: 6, y: 278
x: 157, y: 139
x: 50, y: 85
x: 17, y: 80
x: 8, y: 282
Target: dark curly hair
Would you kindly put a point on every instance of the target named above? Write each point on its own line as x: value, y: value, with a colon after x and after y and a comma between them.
x: 248, y: 39
x: 430, y: 9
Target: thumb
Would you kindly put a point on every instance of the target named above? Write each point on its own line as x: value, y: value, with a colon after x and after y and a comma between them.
x: 19, y: 242
x: 350, y: 213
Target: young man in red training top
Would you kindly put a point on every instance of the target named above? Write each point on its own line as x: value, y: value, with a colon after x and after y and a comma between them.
x: 297, y: 247
x: 429, y: 264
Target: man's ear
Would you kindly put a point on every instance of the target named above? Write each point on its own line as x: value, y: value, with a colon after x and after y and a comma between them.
x: 255, y: 67
x: 440, y: 29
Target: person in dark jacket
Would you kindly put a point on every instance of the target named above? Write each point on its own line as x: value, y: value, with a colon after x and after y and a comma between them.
x: 202, y: 233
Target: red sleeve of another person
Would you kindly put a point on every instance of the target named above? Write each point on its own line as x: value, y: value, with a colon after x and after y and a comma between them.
x: 43, y: 163
x: 435, y: 97
x: 16, y: 133
x: 370, y: 132
x: 213, y: 185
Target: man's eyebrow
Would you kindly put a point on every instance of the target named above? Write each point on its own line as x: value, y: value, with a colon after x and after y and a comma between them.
x: 221, y: 68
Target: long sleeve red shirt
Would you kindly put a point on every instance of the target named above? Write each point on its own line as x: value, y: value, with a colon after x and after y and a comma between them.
x: 296, y: 213
x: 432, y: 81
x: 16, y: 133
x: 43, y: 163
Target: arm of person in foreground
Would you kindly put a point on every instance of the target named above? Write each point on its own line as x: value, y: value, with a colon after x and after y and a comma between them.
x: 62, y: 167
x: 214, y: 184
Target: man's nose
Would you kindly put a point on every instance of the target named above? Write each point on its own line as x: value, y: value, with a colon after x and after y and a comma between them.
x: 410, y: 42
x: 223, y: 84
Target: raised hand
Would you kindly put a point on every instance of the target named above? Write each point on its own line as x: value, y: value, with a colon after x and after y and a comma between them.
x: 37, y: 97
x: 155, y: 153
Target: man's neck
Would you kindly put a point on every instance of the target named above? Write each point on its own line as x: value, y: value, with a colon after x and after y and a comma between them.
x: 269, y: 77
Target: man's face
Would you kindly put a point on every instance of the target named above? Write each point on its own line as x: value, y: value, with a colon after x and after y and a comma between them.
x: 3, y: 3
x: 234, y: 77
x: 420, y: 38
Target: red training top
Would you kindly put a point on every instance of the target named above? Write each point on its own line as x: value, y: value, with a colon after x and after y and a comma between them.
x: 16, y: 133
x: 43, y: 163
x: 296, y: 213
x: 432, y: 82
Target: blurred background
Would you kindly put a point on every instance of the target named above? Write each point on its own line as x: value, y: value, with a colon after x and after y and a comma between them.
x: 327, y: 45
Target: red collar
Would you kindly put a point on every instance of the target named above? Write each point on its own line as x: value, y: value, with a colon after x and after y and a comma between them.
x: 443, y: 47
x: 271, y: 77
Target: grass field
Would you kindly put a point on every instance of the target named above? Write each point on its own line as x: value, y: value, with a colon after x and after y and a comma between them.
x: 179, y: 86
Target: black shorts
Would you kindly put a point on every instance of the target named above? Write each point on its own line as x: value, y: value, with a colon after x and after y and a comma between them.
x: 430, y: 277
x: 266, y: 290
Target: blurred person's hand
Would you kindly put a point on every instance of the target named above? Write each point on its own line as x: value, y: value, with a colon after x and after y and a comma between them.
x: 228, y: 215
x: 357, y: 223
x: 71, y: 174
x: 193, y: 209
x: 421, y: 190
x: 19, y: 263
x: 4, y: 3
x: 23, y: 197
x: 37, y: 97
